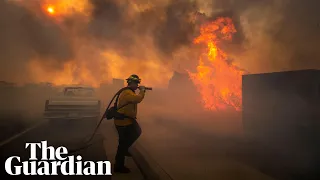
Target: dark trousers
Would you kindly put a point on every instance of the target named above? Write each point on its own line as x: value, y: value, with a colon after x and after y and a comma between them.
x: 127, y: 136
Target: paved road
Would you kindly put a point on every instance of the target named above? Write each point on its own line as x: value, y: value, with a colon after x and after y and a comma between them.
x: 187, y: 153
x: 68, y: 134
x: 182, y: 151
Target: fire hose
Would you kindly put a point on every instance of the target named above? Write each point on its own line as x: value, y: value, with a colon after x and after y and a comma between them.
x: 88, y: 143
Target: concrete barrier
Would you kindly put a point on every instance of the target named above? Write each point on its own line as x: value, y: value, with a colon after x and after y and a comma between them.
x: 147, y: 165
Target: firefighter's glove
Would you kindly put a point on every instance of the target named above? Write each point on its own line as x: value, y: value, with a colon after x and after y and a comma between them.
x: 142, y: 88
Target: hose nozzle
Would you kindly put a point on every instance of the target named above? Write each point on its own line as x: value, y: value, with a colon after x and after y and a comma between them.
x: 148, y: 88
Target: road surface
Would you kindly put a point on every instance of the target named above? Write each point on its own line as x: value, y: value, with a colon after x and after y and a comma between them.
x: 192, y: 149
x: 187, y: 153
x: 69, y: 134
x: 180, y: 150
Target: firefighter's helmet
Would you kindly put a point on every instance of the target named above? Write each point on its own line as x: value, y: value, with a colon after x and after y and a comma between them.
x: 133, y: 78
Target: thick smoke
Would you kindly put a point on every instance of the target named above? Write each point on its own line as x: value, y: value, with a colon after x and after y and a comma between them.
x: 170, y: 26
x: 155, y: 38
x: 280, y: 35
x: 108, y: 24
x: 299, y: 33
x: 177, y: 29
x: 25, y: 37
x: 271, y: 35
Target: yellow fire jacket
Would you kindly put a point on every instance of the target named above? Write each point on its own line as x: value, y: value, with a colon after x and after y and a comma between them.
x: 128, y: 96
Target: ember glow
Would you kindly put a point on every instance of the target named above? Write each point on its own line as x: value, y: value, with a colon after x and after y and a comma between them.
x: 66, y: 7
x: 50, y: 10
x: 217, y: 79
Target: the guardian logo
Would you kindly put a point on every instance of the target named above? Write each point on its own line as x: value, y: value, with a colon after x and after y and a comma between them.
x: 54, y: 161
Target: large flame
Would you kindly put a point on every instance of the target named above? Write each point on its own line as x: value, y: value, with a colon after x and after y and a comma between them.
x: 217, y: 79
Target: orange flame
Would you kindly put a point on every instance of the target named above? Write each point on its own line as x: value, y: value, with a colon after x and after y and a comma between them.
x: 217, y: 80
x: 66, y: 7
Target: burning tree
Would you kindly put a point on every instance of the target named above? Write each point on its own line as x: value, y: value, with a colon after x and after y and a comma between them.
x: 217, y: 79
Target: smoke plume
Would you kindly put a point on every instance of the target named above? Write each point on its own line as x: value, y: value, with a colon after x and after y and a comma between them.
x: 24, y: 37
x: 92, y: 41
x: 280, y: 35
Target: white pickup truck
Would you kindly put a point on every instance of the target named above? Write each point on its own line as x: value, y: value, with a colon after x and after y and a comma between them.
x: 77, y: 102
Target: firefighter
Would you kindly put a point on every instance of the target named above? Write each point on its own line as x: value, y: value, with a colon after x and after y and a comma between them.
x: 128, y: 128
